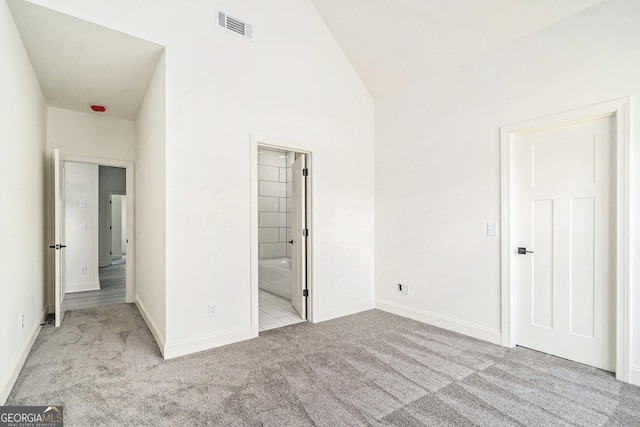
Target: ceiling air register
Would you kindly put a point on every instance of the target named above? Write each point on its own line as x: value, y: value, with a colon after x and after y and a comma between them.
x: 234, y: 25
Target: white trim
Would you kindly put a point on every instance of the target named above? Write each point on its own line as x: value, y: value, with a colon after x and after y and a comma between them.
x: 7, y: 385
x: 279, y: 143
x: 130, y: 189
x: 346, y: 310
x: 634, y: 375
x: 94, y: 286
x: 151, y: 324
x: 621, y: 109
x: 466, y: 328
x: 205, y: 342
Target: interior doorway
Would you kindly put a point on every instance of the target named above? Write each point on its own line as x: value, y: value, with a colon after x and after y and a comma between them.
x: 281, y: 255
x: 98, y: 250
x: 87, y: 274
x: 565, y: 240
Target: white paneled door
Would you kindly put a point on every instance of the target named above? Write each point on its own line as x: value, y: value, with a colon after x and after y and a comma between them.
x: 298, y: 224
x: 59, y: 244
x: 565, y: 222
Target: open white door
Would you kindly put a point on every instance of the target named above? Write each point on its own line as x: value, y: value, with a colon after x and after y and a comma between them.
x: 59, y: 244
x: 298, y: 231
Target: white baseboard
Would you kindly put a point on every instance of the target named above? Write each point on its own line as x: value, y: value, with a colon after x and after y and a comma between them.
x: 155, y: 331
x: 344, y: 311
x: 7, y: 385
x: 93, y: 286
x: 487, y: 334
x: 206, y: 342
x: 634, y: 377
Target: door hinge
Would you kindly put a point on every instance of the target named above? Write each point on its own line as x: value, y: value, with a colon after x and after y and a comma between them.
x: 305, y: 172
x: 305, y: 232
x: 305, y: 292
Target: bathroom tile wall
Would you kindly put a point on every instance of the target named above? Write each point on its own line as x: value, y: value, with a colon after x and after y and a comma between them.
x: 274, y: 203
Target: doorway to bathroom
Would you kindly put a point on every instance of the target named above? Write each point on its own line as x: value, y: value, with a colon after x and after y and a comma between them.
x: 281, y: 244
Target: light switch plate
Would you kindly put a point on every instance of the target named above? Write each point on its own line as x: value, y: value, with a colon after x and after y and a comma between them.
x: 83, y: 203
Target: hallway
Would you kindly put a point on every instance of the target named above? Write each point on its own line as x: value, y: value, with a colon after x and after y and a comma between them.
x: 112, y: 284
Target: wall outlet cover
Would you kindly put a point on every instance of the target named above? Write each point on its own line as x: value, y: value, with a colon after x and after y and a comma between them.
x: 492, y: 229
x: 213, y: 310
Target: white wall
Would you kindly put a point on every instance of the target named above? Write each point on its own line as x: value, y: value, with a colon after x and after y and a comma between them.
x: 150, y: 207
x: 292, y: 82
x: 90, y: 134
x: 22, y: 164
x: 438, y: 162
x: 87, y: 135
x: 81, y: 226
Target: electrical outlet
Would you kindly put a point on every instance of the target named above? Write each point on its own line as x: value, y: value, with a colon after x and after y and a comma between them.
x: 83, y: 270
x: 22, y: 321
x: 405, y: 289
x: 213, y: 310
x: 83, y: 227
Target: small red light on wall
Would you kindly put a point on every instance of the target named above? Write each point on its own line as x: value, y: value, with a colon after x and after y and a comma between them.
x: 98, y: 108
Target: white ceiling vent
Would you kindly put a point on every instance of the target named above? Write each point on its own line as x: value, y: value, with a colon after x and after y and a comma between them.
x: 235, y: 25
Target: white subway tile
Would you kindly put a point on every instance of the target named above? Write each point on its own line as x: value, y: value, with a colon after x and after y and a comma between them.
x: 283, y: 235
x: 272, y: 250
x: 283, y: 175
x: 268, y: 204
x: 271, y: 158
x: 282, y: 204
x: 288, y: 175
x: 268, y: 173
x: 269, y: 235
x: 288, y: 204
x: 272, y: 189
x: 272, y: 219
x: 288, y: 189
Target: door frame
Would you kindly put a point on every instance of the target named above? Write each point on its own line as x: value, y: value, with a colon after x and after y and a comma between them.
x: 620, y: 109
x: 128, y: 165
x: 258, y: 141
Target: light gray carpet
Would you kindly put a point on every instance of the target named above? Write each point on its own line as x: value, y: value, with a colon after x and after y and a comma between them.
x: 372, y: 368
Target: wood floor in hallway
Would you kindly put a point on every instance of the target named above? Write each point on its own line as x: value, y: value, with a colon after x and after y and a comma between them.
x: 113, y: 289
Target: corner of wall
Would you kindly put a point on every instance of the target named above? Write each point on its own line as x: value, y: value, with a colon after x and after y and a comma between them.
x: 634, y: 378
x: 157, y: 333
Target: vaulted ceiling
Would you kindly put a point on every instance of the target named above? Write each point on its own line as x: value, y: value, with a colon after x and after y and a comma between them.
x: 393, y: 44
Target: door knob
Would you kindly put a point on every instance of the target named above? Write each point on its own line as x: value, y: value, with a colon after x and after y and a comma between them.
x: 291, y: 241
x: 524, y: 251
